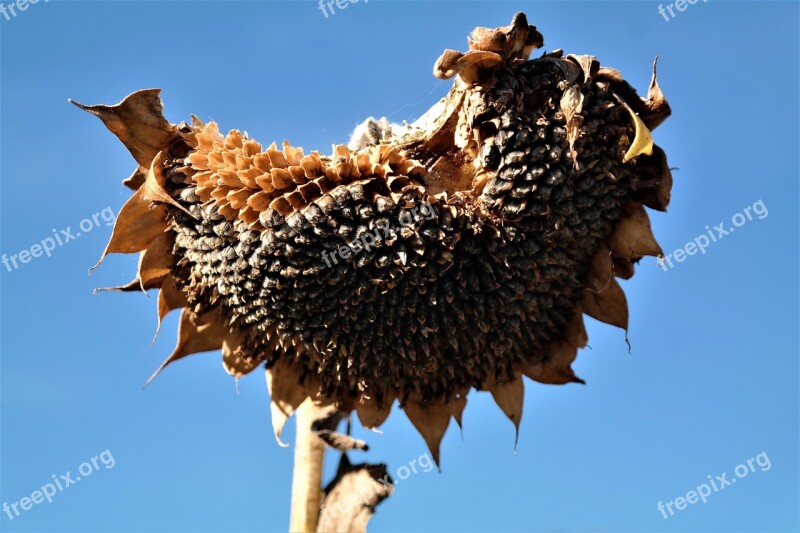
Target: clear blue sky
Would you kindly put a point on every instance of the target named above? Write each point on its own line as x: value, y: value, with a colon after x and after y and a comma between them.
x: 712, y: 380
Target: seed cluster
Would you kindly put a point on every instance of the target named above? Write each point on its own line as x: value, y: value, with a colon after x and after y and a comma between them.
x: 436, y: 306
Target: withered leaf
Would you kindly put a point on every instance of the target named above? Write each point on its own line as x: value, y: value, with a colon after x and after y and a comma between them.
x: 196, y: 334
x: 509, y: 397
x: 137, y: 225
x: 634, y: 237
x: 609, y: 306
x: 138, y: 122
x: 285, y: 395
x: 431, y: 421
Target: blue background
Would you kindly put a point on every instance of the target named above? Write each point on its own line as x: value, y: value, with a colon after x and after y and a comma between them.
x: 712, y: 379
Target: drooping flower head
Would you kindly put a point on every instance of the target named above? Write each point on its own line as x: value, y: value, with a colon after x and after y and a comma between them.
x: 460, y: 252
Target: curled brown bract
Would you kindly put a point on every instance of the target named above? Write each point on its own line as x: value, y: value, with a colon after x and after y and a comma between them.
x: 488, y: 48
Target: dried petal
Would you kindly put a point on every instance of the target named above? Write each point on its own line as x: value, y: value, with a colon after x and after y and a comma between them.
x: 138, y: 122
x: 285, y: 395
x: 609, y: 306
x: 137, y: 225
x: 196, y: 334
x: 431, y: 420
x: 633, y: 237
x: 509, y: 397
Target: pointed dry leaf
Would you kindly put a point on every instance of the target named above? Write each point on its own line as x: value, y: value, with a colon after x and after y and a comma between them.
x: 137, y: 225
x: 199, y: 333
x: 154, y: 266
x: 634, y: 237
x: 656, y: 102
x: 609, y: 306
x: 510, y: 398
x: 556, y: 368
x: 285, y: 393
x: 431, y: 421
x: 131, y: 286
x: 138, y: 122
x: 196, y: 334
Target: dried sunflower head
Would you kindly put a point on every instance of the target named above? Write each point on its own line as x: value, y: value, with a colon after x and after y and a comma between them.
x: 459, y: 253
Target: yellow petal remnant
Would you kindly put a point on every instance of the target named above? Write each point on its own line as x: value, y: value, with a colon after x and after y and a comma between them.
x: 642, y: 141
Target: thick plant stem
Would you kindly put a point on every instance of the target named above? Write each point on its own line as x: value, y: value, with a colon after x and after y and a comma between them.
x: 309, y: 454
